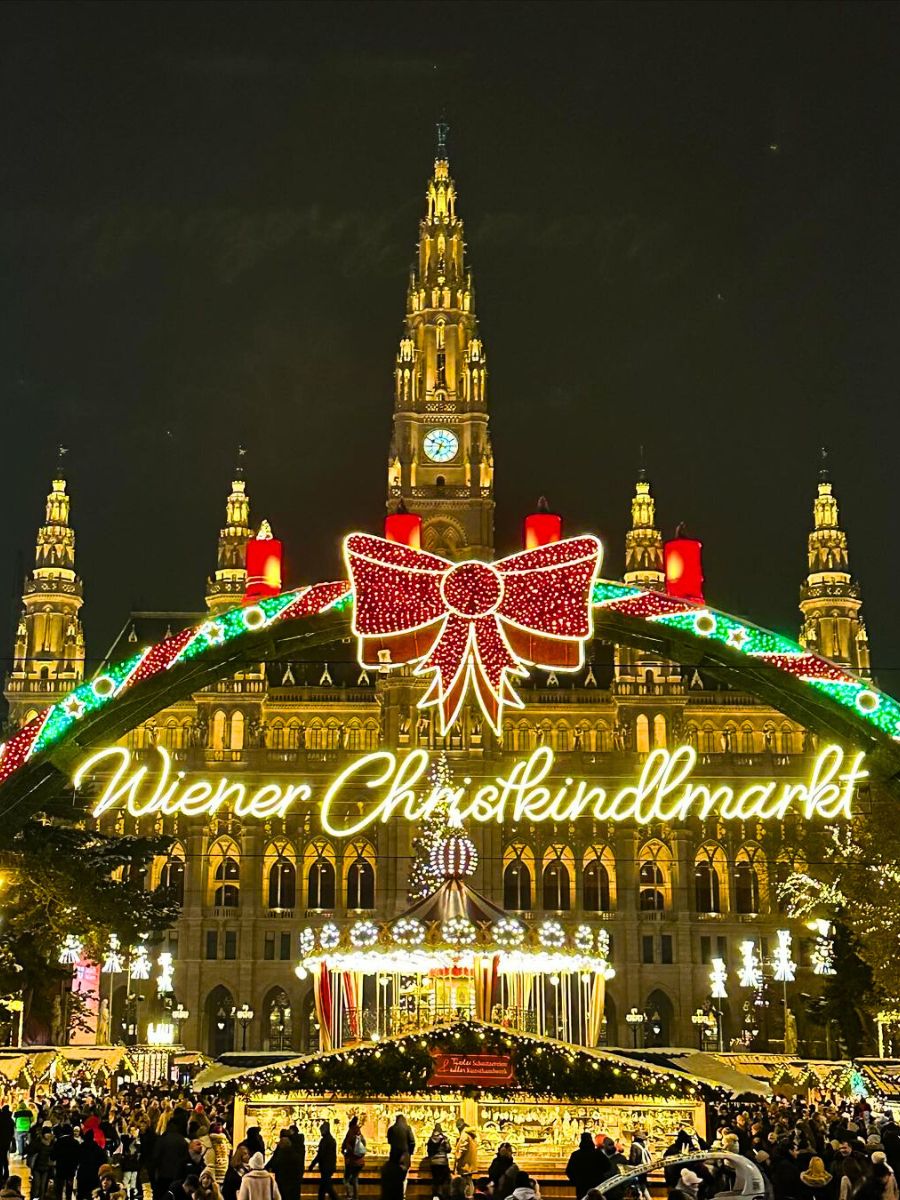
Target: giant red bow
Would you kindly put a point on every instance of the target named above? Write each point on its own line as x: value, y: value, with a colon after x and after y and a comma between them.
x: 472, y: 621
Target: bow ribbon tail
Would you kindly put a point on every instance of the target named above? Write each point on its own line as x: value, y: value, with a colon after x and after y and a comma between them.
x: 448, y: 659
x: 493, y: 663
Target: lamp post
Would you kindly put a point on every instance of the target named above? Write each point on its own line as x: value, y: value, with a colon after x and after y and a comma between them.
x: 635, y: 1019
x: 718, y: 977
x: 244, y: 1015
x: 698, y: 1020
x: 785, y: 971
x: 179, y: 1015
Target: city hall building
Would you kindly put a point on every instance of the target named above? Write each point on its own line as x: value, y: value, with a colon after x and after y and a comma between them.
x: 260, y: 891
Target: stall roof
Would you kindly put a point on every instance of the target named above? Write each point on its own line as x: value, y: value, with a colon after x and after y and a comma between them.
x: 882, y: 1075
x: 709, y: 1069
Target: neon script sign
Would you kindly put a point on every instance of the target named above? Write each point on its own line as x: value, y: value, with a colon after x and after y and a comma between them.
x: 382, y: 786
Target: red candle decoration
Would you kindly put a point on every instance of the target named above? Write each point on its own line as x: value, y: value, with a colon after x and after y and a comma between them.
x: 684, y: 567
x: 542, y: 527
x: 264, y: 554
x: 404, y: 527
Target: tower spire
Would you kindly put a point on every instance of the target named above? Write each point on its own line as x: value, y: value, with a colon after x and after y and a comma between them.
x: 48, y: 657
x: 226, y: 587
x: 441, y: 463
x: 830, y: 598
x: 643, y: 541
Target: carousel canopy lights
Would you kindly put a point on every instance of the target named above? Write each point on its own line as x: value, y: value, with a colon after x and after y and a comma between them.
x: 408, y: 931
x: 455, y: 857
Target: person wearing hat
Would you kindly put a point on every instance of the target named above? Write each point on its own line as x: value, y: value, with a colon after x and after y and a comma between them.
x: 817, y: 1182
x: 891, y: 1191
x: 688, y: 1184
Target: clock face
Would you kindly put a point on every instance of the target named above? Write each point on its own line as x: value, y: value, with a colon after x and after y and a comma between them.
x: 440, y: 445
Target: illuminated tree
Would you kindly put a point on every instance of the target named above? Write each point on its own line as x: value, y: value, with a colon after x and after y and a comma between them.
x: 423, y: 881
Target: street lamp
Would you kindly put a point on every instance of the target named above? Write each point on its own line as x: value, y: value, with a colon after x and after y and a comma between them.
x: 635, y: 1019
x: 700, y: 1021
x: 785, y: 972
x: 718, y: 977
x: 244, y: 1015
x: 179, y: 1015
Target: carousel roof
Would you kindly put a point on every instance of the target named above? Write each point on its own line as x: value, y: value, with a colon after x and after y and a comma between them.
x: 455, y: 899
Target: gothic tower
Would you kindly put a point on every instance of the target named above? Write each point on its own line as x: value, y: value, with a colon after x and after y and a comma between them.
x: 48, y: 659
x: 644, y: 567
x: 226, y: 587
x: 830, y: 598
x: 441, y: 464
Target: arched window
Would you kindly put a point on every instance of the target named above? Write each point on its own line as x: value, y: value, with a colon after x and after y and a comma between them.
x: 237, y: 731
x: 320, y: 877
x: 557, y: 879
x: 641, y: 734
x: 708, y: 740
x: 787, y: 740
x: 217, y: 731
x: 359, y: 883
x: 654, y: 875
x: 370, y: 736
x: 277, y: 1023
x: 517, y: 875
x: 219, y: 1021
x: 709, y: 866
x: 171, y: 737
x: 749, y: 871
x: 659, y: 732
x: 354, y: 736
x: 171, y: 876
x: 597, y: 879
x: 315, y: 736
x: 746, y: 739
x: 603, y: 736
x: 563, y: 738
x: 294, y: 736
x: 226, y: 875
x: 509, y: 737
x: 332, y: 736
x: 282, y: 892
x: 659, y: 1019
x: 276, y: 735
x: 524, y: 736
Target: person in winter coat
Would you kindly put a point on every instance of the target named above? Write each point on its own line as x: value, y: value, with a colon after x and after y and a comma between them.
x: 170, y: 1155
x: 401, y: 1144
x: 12, y: 1189
x: 527, y: 1188
x: 237, y: 1169
x: 258, y: 1183
x: 254, y: 1142
x: 785, y: 1172
x: 90, y: 1159
x: 7, y: 1137
x: 207, y: 1188
x: 108, y: 1188
x: 353, y: 1148
x: 65, y: 1162
x: 584, y: 1169
x: 130, y: 1162
x: 639, y: 1156
x: 816, y: 1181
x: 286, y: 1164
x: 438, y: 1150
x: 465, y: 1156
x: 850, y: 1168
x: 42, y: 1164
x: 326, y: 1161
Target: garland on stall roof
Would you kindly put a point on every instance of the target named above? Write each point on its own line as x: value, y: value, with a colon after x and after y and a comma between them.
x: 403, y: 1065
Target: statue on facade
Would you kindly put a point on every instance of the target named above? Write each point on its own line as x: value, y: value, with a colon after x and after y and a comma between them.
x: 202, y: 730
x: 790, y: 1032
x: 101, y: 1038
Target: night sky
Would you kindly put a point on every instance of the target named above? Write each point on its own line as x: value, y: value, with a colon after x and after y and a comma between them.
x: 682, y: 220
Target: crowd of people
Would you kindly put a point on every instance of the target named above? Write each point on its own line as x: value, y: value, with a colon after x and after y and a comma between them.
x: 122, y: 1147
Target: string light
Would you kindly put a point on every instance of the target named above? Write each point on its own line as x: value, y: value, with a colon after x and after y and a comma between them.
x: 363, y: 933
x: 408, y: 931
x: 509, y: 932
x: 458, y: 931
x: 71, y: 949
x: 785, y: 969
x: 552, y: 934
x: 822, y: 956
x: 750, y: 971
x: 113, y: 962
x: 140, y: 963
x: 329, y: 936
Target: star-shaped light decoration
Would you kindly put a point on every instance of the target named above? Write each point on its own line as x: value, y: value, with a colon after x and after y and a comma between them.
x: 214, y: 632
x: 737, y: 637
x: 73, y: 707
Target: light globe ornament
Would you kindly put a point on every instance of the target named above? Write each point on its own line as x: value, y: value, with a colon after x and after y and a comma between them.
x: 454, y: 857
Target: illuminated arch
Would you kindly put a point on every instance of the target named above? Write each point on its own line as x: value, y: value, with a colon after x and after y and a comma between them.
x: 319, y: 876
x: 167, y: 872
x: 38, y: 759
x: 750, y: 880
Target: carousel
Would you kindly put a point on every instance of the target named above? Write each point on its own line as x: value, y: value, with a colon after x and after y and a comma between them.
x: 454, y: 955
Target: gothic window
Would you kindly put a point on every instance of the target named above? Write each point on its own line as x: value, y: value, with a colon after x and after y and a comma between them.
x: 282, y: 891
x: 171, y: 876
x: 746, y: 739
x: 517, y: 876
x: 278, y: 1026
x: 709, y: 871
x: 748, y: 870
x: 708, y: 740
x: 642, y: 734
x: 509, y: 737
x: 293, y: 735
x: 787, y: 740
x: 659, y: 732
x: 320, y: 876
x: 237, y: 731
x: 360, y: 876
x: 563, y: 743
x: 276, y: 735
x: 354, y: 736
x: 370, y: 736
x: 315, y: 736
x: 597, y: 879
x: 557, y: 879
x: 217, y: 736
x: 226, y: 874
x: 654, y: 874
x: 603, y: 738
